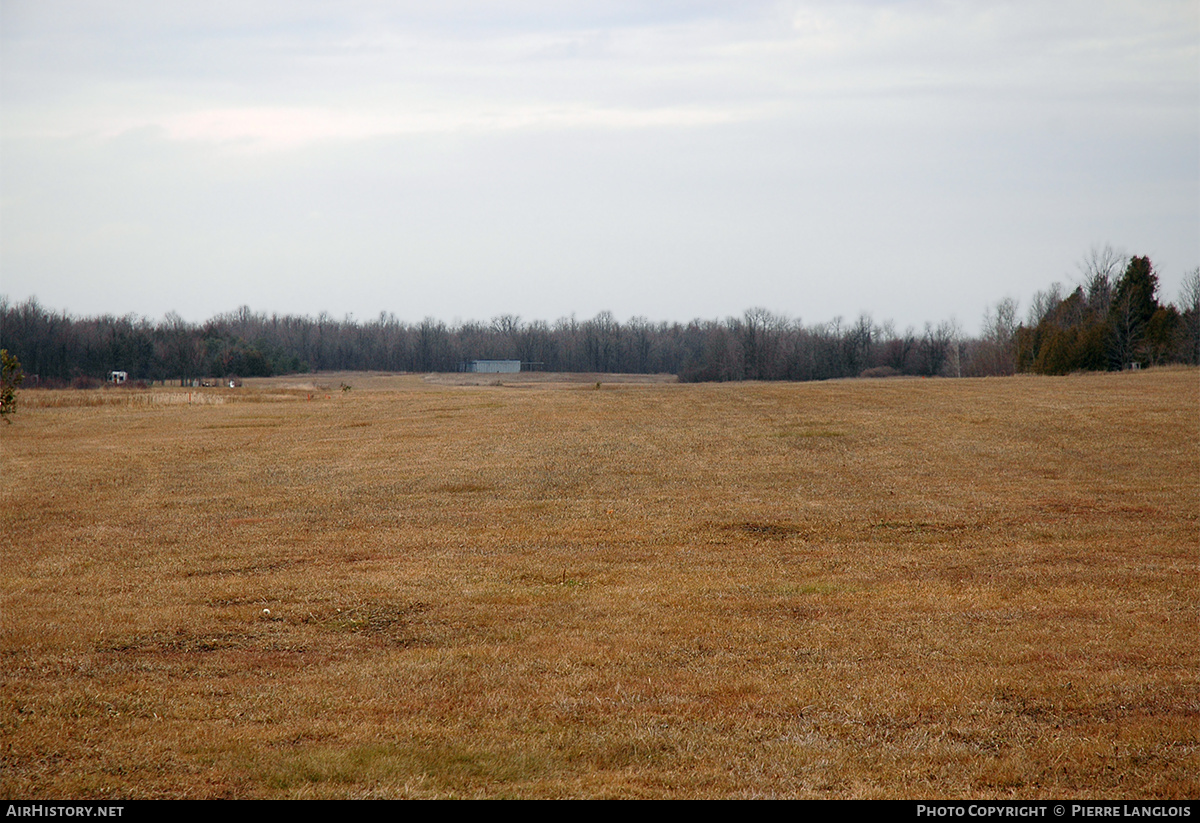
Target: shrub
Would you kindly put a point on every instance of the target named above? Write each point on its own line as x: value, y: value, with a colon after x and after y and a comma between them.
x: 11, y: 378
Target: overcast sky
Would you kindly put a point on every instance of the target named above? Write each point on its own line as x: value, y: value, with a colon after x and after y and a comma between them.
x: 675, y: 160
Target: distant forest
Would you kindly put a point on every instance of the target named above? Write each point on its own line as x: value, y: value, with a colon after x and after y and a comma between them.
x: 1112, y: 320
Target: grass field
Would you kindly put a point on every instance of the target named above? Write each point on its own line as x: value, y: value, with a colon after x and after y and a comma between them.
x: 893, y: 588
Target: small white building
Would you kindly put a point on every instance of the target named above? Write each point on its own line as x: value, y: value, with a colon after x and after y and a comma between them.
x: 118, y: 377
x: 494, y: 366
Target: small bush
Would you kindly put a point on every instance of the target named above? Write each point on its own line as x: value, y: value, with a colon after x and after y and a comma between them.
x: 11, y: 378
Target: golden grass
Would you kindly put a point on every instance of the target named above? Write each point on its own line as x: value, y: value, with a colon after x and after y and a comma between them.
x: 911, y: 588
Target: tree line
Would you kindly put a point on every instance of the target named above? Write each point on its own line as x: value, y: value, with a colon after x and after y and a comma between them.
x: 58, y: 349
x: 1112, y: 320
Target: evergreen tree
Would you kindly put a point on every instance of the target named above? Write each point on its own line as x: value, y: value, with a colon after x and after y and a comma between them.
x: 1133, y: 305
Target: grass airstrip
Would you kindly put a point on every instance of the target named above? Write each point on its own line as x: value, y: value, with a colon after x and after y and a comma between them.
x: 584, y: 586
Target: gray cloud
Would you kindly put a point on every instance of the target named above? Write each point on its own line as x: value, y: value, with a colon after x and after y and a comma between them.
x: 915, y: 160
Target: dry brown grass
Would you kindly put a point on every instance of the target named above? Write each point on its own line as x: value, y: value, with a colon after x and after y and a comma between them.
x: 970, y: 588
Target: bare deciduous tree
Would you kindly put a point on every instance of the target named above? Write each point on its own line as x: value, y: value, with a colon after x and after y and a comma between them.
x: 997, y: 352
x: 1100, y: 268
x: 1189, y: 310
x: 1043, y: 303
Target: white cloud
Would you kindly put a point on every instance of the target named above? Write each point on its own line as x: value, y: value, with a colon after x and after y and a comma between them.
x: 261, y: 128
